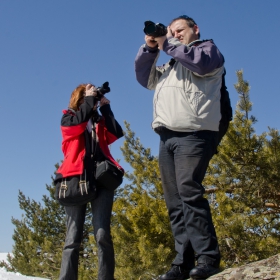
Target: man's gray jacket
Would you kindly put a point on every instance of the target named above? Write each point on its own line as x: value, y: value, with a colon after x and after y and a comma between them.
x: 187, y: 90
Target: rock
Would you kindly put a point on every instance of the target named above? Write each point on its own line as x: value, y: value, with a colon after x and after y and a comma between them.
x: 268, y: 269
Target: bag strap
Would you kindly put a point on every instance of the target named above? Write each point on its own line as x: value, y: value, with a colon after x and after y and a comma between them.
x: 93, y: 140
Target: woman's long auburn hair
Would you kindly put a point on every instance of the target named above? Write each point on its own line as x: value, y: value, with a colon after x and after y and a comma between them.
x: 76, y: 96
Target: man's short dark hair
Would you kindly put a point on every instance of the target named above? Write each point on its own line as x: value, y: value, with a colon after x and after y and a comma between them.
x: 190, y: 22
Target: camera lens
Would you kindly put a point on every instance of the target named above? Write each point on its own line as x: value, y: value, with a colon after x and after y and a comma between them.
x: 149, y: 29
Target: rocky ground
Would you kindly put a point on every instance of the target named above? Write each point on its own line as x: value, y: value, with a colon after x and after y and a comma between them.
x: 268, y: 269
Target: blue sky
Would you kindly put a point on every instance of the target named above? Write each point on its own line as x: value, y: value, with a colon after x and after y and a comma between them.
x: 49, y: 47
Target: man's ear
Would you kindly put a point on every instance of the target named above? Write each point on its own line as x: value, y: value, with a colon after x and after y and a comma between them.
x: 196, y: 29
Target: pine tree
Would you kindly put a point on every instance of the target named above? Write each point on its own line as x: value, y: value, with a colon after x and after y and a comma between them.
x: 39, y: 238
x: 242, y: 182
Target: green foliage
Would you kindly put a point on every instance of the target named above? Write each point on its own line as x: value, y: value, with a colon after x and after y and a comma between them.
x: 245, y: 176
x: 39, y: 239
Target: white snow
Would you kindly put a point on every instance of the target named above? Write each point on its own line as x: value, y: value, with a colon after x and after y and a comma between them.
x: 4, y: 275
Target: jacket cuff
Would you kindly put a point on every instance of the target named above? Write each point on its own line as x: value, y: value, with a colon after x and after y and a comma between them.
x: 90, y: 100
x: 151, y: 50
x: 105, y: 109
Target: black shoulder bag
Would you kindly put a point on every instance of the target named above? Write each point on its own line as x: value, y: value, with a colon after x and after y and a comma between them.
x: 107, y: 174
x: 75, y: 190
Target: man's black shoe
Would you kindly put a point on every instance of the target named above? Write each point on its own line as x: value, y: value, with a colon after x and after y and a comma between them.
x: 203, y: 271
x: 175, y: 273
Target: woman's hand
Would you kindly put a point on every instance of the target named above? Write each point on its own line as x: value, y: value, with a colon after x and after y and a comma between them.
x: 90, y: 90
x: 104, y: 101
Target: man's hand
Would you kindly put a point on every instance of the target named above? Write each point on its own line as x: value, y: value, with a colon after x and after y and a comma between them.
x: 161, y: 40
x: 169, y: 32
x: 150, y: 41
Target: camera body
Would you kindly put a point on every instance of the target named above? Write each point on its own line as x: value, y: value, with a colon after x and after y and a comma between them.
x: 154, y: 29
x: 102, y: 90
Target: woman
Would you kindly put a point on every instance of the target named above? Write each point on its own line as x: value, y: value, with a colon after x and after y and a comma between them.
x: 86, y: 136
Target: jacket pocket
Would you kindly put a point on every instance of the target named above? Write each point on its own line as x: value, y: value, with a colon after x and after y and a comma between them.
x: 196, y: 100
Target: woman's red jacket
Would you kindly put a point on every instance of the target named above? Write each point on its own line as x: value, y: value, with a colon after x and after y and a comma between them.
x: 73, y: 126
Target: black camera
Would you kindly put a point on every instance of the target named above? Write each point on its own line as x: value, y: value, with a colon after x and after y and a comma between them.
x: 154, y: 29
x: 102, y: 90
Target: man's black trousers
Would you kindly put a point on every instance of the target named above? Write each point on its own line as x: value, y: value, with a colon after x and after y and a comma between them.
x: 183, y: 161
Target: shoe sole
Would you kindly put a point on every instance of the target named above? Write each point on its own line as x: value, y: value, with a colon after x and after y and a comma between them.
x: 181, y: 278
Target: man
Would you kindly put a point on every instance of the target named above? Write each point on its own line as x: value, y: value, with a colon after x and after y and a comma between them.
x: 186, y: 117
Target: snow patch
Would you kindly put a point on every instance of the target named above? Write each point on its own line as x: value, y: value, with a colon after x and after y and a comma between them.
x: 4, y: 275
